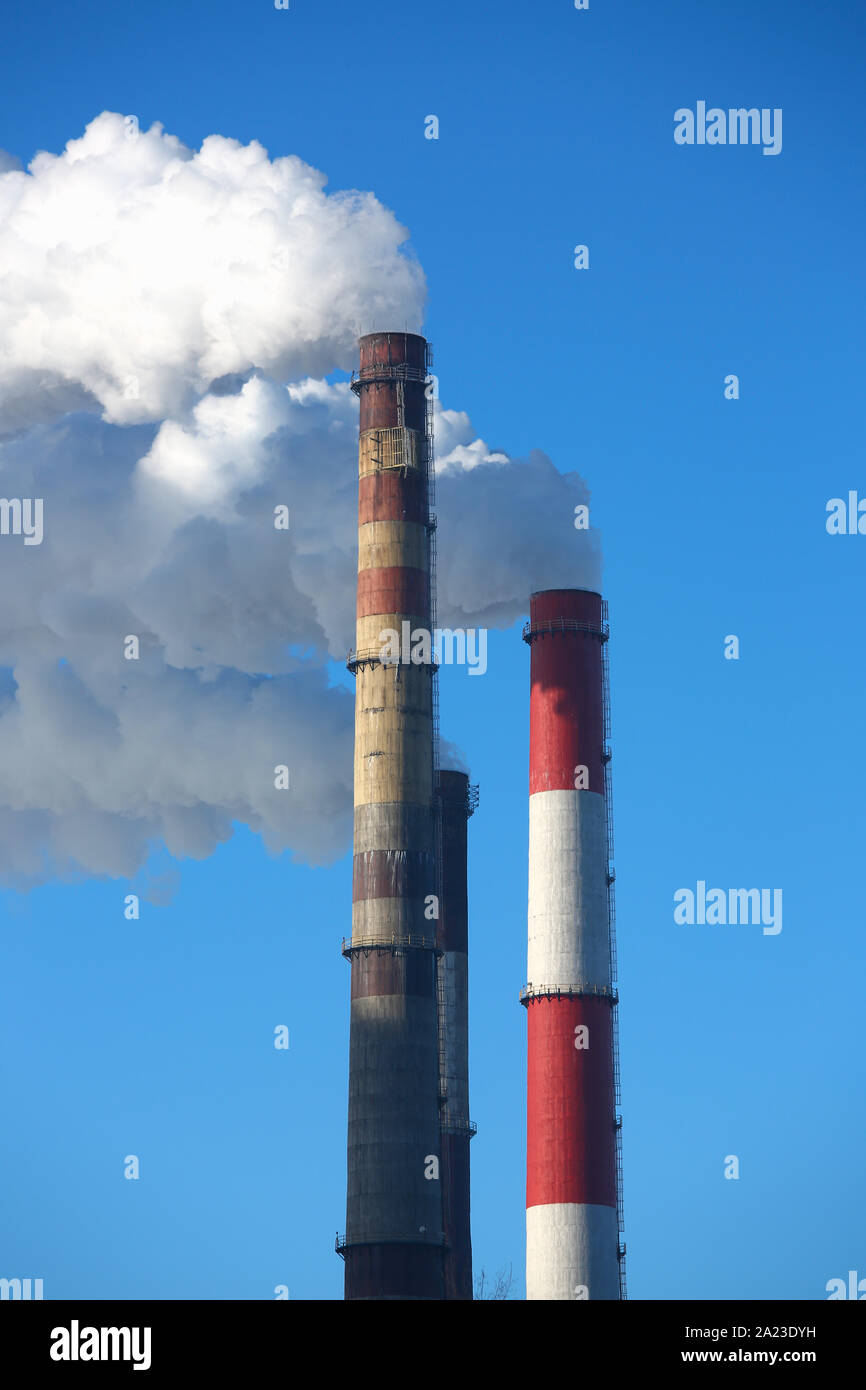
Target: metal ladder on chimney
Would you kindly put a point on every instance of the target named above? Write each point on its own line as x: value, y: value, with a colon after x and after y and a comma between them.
x: 611, y: 910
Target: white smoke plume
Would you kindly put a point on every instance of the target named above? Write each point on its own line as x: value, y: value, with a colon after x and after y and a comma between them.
x: 168, y: 319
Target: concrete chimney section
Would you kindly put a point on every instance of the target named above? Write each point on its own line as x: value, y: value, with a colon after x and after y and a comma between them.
x: 457, y: 801
x: 394, y: 1242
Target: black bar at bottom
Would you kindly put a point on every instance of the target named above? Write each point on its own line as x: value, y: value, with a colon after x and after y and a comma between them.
x: 211, y: 1340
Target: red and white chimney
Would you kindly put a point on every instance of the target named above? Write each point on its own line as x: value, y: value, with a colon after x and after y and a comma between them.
x: 573, y: 1226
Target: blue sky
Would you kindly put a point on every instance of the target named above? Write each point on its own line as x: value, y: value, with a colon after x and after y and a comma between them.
x: 556, y: 128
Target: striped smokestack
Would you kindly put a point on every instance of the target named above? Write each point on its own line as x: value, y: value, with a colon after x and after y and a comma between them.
x: 572, y: 1180
x: 393, y: 1246
x: 456, y: 803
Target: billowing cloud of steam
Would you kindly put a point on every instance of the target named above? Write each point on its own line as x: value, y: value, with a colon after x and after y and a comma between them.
x: 167, y: 321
